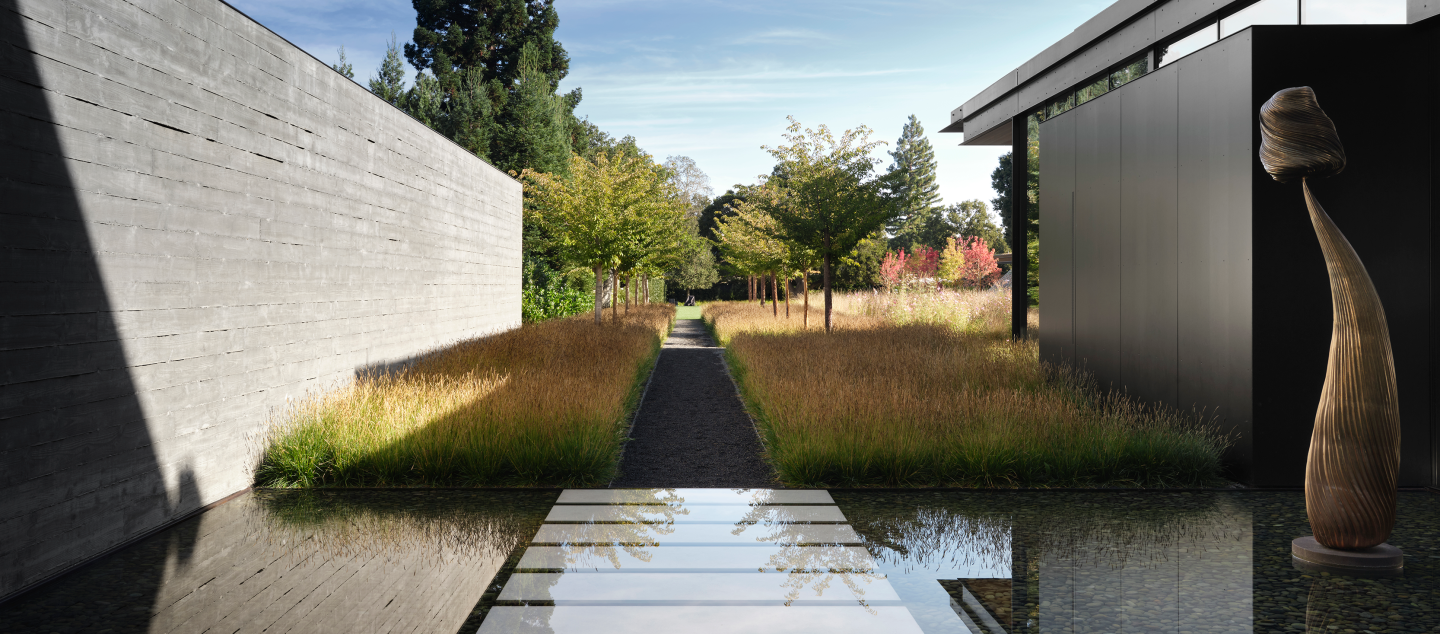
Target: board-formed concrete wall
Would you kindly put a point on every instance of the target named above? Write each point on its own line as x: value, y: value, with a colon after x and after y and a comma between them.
x: 199, y: 222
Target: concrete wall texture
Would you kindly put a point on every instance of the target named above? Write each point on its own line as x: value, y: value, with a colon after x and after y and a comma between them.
x: 199, y: 222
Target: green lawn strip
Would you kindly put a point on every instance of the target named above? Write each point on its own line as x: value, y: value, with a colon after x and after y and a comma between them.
x: 687, y: 312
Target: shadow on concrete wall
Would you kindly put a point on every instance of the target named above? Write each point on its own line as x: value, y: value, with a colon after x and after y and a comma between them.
x: 78, y: 471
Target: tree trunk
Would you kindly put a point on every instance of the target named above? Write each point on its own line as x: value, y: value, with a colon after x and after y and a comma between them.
x: 825, y: 274
x: 615, y: 295
x: 629, y: 285
x: 599, y: 296
x: 774, y: 296
x: 645, y: 286
x: 805, y: 289
x: 787, y: 296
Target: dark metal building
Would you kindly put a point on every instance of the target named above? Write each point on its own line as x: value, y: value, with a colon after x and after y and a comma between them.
x: 1172, y: 266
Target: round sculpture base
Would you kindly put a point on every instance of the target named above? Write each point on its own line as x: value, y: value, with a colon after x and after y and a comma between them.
x: 1377, y: 561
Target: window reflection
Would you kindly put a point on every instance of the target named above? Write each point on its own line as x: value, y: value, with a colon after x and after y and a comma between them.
x: 1188, y: 44
x: 1353, y: 12
x: 1263, y: 12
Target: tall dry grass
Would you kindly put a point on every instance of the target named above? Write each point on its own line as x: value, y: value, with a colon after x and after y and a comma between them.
x: 982, y: 313
x: 545, y: 404
x: 895, y: 399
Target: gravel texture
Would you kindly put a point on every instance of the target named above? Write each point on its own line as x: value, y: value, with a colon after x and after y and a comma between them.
x: 691, y: 429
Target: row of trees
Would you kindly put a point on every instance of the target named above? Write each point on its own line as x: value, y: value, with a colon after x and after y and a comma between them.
x: 965, y: 262
x: 618, y: 214
x: 773, y: 231
x: 819, y: 202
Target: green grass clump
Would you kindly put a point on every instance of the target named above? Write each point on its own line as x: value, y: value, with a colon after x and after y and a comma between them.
x: 545, y: 404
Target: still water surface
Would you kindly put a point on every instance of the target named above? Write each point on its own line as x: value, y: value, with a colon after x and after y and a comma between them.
x: 717, y: 560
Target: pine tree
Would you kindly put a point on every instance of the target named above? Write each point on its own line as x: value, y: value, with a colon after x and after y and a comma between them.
x: 453, y: 35
x: 506, y: 50
x: 389, y: 82
x: 343, y: 66
x: 535, y: 126
x: 914, y: 192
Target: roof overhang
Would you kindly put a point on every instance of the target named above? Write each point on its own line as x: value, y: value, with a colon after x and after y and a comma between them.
x: 1118, y: 33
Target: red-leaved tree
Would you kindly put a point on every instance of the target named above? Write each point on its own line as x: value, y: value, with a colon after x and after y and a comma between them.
x: 980, y: 270
x: 892, y: 268
x: 924, y: 263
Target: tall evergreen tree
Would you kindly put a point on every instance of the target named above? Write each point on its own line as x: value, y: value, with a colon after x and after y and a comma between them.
x: 535, y: 131
x: 504, y: 50
x: 491, y: 35
x: 389, y: 82
x: 913, y: 191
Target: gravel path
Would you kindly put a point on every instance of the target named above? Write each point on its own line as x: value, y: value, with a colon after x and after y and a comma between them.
x: 692, y: 430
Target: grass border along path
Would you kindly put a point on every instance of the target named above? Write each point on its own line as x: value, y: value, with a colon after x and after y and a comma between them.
x: 546, y: 404
x: 877, y: 404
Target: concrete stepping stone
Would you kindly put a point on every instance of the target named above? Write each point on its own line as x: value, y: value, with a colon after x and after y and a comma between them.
x: 697, y: 560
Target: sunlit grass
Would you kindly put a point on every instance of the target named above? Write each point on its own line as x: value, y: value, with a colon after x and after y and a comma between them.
x: 903, y: 394
x: 545, y: 404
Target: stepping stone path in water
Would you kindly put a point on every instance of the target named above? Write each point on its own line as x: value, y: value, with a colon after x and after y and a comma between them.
x: 691, y: 429
x: 697, y: 560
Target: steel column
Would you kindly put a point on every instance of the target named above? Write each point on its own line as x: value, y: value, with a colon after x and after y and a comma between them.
x: 1019, y: 236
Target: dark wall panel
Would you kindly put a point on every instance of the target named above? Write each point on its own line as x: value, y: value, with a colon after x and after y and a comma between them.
x: 1149, y: 309
x: 1382, y: 202
x: 1097, y: 239
x: 1057, y: 301
x: 1214, y: 265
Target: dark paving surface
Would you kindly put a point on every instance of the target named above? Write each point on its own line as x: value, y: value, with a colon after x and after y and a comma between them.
x: 692, y: 430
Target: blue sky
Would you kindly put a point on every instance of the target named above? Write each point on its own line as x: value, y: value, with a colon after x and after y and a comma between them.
x: 715, y: 80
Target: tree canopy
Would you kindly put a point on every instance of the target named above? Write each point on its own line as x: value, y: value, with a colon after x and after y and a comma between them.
x: 830, y: 200
x: 490, y: 35
x: 613, y: 212
x: 971, y: 218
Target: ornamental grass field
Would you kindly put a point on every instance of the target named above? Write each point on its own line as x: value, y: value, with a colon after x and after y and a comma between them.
x: 544, y: 404
x: 931, y: 392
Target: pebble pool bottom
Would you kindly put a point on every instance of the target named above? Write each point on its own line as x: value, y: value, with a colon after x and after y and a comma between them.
x: 747, y: 560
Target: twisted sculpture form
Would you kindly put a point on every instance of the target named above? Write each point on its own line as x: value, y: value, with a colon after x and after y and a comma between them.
x: 1355, y: 449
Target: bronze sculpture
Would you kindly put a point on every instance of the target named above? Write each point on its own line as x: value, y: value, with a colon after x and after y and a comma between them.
x: 1350, y: 476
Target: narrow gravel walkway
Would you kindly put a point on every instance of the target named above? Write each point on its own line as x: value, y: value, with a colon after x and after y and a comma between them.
x: 692, y: 430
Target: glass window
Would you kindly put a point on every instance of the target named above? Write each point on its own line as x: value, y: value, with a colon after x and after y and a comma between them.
x: 1353, y: 12
x: 1129, y: 73
x: 1262, y: 12
x: 1061, y: 105
x: 1086, y: 93
x: 1189, y: 44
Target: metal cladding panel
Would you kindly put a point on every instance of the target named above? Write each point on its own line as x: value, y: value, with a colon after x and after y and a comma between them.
x: 1216, y: 154
x: 1097, y: 239
x: 1149, y: 236
x: 1057, y: 223
x: 1382, y: 202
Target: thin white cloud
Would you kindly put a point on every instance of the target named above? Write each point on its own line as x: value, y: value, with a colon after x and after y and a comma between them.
x: 787, y: 36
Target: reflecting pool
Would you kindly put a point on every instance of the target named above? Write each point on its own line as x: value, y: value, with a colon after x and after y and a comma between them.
x: 724, y: 560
